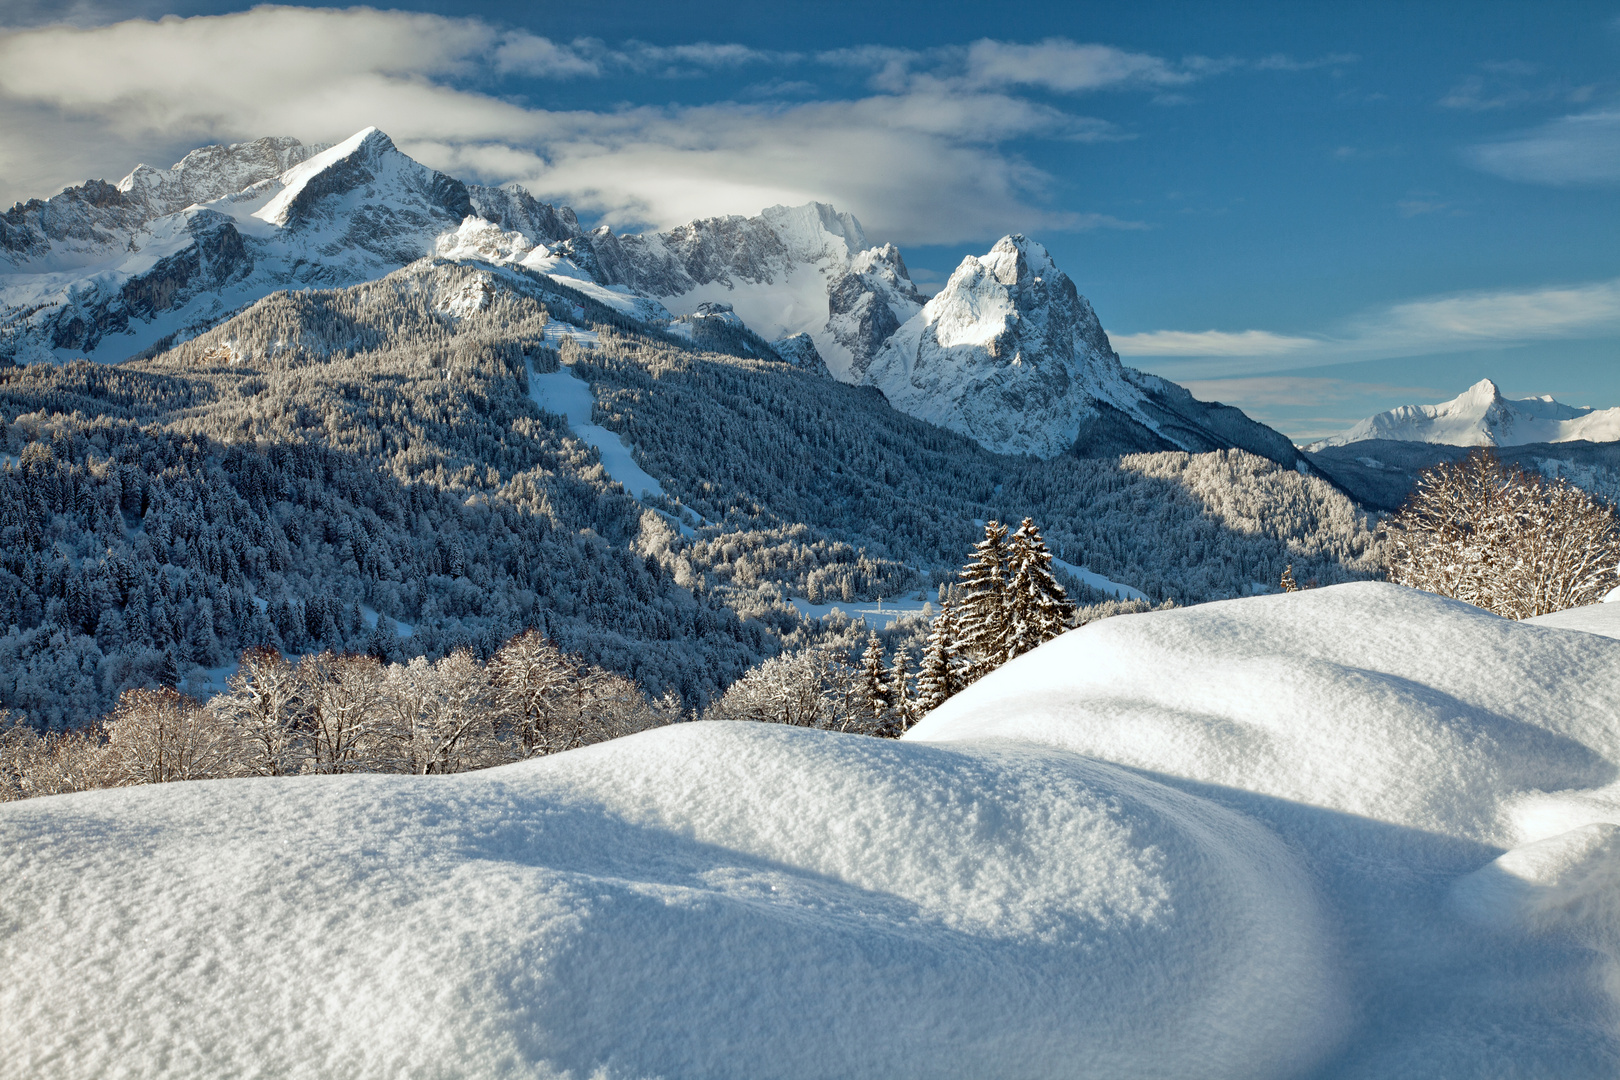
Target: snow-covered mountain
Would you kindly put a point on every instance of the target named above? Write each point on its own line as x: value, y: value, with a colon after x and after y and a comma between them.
x: 1481, y: 416
x: 105, y: 271
x: 1008, y: 353
x: 788, y: 271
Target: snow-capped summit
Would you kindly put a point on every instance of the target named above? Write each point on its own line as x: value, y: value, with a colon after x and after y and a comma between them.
x: 1481, y: 416
x: 789, y: 270
x: 105, y: 271
x: 1011, y: 354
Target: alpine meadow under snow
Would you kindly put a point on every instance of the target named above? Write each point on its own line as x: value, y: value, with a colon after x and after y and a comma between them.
x: 362, y: 447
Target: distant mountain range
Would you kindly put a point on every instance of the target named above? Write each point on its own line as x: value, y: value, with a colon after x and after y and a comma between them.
x: 1481, y: 416
x: 1007, y: 352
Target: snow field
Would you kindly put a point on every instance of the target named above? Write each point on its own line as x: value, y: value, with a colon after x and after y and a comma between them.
x: 1353, y: 832
x: 707, y: 900
x: 1447, y: 776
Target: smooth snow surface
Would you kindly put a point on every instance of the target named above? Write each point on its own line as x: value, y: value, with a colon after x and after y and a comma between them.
x: 1481, y: 416
x: 707, y: 900
x: 1357, y: 831
x: 1601, y: 618
x: 1445, y: 776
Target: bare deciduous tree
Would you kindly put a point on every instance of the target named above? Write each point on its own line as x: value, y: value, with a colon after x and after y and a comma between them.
x: 1505, y: 540
x: 344, y: 699
x: 263, y: 703
x: 157, y: 736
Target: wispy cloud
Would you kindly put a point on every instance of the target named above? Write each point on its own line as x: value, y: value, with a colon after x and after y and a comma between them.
x: 1579, y: 149
x: 1433, y: 325
x: 1210, y: 343
x: 1283, y: 62
x: 1301, y: 391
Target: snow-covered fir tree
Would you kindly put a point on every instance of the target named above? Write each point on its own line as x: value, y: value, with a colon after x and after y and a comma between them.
x: 872, y: 687
x: 984, y: 623
x: 939, y: 676
x: 902, y: 707
x: 1038, y: 608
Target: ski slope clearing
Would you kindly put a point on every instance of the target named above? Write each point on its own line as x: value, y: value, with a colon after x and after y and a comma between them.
x: 560, y: 392
x: 1357, y: 831
x: 879, y: 616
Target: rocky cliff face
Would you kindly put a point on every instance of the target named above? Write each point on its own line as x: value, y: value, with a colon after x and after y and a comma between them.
x: 1011, y: 354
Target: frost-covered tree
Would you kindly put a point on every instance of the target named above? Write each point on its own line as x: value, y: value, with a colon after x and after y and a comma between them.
x: 1505, y: 540
x: 872, y: 684
x: 939, y: 676
x: 984, y: 622
x: 344, y: 696
x: 532, y: 679
x: 158, y: 736
x: 808, y: 688
x: 1038, y: 609
x: 263, y: 702
x: 902, y: 706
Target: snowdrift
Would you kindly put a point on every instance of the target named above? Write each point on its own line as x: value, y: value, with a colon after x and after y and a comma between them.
x: 1357, y: 831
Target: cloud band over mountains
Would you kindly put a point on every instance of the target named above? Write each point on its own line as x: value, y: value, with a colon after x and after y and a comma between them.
x: 919, y: 151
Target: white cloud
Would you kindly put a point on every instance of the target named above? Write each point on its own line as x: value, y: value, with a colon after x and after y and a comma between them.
x: 1496, y: 319
x: 523, y: 53
x: 1062, y: 65
x: 920, y: 164
x: 1579, y: 149
x: 1209, y: 343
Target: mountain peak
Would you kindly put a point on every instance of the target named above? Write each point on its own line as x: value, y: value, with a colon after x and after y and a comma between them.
x: 1481, y: 416
x: 815, y: 230
x: 1484, y: 391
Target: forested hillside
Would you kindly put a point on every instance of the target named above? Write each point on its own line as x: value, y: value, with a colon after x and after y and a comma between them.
x: 363, y: 469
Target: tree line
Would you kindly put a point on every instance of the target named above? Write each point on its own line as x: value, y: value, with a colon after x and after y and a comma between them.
x: 332, y: 713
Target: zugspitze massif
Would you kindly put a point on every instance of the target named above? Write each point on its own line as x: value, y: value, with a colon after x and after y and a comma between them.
x: 1007, y: 352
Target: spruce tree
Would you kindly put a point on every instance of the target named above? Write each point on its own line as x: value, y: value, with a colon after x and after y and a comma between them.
x: 901, y: 706
x: 984, y: 630
x: 937, y: 678
x: 872, y: 690
x: 1038, y: 608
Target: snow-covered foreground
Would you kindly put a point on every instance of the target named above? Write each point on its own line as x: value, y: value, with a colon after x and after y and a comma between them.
x: 1357, y: 831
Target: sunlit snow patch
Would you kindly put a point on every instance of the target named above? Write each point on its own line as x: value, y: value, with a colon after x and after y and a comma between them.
x: 710, y: 900
x: 879, y: 615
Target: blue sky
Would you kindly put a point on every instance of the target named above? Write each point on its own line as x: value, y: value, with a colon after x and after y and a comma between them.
x: 1310, y: 211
